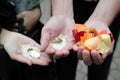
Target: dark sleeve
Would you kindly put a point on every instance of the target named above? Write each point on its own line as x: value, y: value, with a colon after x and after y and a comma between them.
x: 7, y: 14
x: 0, y: 28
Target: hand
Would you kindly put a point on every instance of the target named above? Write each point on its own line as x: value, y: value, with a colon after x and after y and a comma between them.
x: 13, y: 43
x: 30, y: 18
x: 55, y: 26
x: 93, y: 56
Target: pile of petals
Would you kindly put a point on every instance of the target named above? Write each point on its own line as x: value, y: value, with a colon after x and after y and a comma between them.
x: 92, y: 39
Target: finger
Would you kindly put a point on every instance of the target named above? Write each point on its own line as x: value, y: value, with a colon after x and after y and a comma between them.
x: 21, y: 15
x: 75, y: 47
x: 45, y: 38
x: 40, y: 61
x: 21, y: 59
x: 104, y: 56
x: 58, y: 55
x: 108, y: 53
x: 69, y: 46
x: 50, y: 50
x: 86, y: 57
x: 46, y: 56
x: 79, y: 54
x: 63, y: 52
x: 43, y: 60
x: 96, y: 57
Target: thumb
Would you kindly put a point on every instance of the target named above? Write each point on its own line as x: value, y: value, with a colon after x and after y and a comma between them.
x: 45, y: 38
x: 21, y: 15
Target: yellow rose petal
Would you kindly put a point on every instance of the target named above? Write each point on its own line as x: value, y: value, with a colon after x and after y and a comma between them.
x: 93, y: 43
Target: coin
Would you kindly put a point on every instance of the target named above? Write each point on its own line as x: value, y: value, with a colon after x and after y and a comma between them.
x: 30, y: 52
x: 59, y: 42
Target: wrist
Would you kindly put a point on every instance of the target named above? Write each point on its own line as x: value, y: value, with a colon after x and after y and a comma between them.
x: 63, y: 18
x: 99, y: 19
x: 62, y: 7
x: 4, y: 36
x: 37, y: 10
x: 99, y: 25
x: 105, y: 12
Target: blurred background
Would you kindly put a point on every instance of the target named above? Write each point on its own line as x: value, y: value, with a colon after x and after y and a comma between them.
x: 81, y: 73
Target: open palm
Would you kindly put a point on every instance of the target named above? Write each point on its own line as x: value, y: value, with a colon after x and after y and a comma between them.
x: 55, y: 26
x: 94, y: 56
x: 13, y: 46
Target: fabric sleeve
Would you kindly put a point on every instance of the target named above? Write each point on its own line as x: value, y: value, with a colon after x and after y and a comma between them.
x: 7, y: 14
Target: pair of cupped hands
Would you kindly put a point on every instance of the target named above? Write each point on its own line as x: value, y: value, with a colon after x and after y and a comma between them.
x: 55, y: 26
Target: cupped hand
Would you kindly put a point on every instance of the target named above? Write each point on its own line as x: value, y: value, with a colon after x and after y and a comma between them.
x: 93, y: 56
x: 13, y: 43
x: 54, y: 27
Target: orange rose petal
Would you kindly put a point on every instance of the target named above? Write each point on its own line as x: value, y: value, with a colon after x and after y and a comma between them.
x: 85, y: 37
x: 80, y: 27
x: 93, y: 30
x: 89, y: 37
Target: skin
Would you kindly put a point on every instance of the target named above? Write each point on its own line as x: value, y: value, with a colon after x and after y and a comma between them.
x: 100, y: 19
x: 13, y: 42
x: 30, y: 17
x: 16, y: 40
x: 61, y: 22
